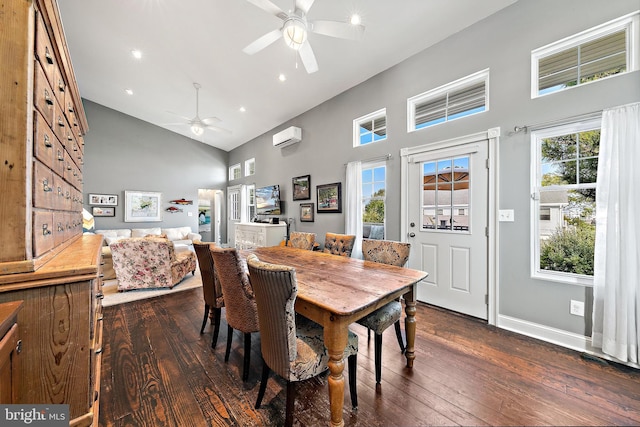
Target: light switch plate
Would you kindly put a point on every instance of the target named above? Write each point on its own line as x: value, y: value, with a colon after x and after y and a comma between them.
x: 505, y: 215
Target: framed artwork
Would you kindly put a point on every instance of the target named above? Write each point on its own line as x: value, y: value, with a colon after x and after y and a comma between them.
x: 142, y: 206
x: 302, y: 187
x: 103, y: 199
x: 306, y: 212
x: 103, y: 211
x: 329, y: 198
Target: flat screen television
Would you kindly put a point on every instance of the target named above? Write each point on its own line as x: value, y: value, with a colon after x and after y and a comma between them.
x: 268, y: 200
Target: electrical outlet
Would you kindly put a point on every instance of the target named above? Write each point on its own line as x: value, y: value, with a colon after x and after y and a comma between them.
x: 577, y: 308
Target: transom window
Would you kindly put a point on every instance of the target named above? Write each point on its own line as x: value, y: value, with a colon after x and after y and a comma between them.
x: 564, y: 177
x: 604, y: 51
x: 235, y: 172
x: 370, y: 128
x: 445, y: 195
x: 374, y: 183
x: 249, y: 167
x: 461, y: 98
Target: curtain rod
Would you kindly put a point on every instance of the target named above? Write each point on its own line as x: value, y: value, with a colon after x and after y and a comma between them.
x: 586, y: 116
x: 377, y: 158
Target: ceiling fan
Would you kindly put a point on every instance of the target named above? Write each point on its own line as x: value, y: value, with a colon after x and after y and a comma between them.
x: 296, y: 28
x: 197, y: 124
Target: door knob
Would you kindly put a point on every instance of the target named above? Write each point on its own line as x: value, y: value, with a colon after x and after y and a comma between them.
x: 413, y: 224
x: 412, y: 234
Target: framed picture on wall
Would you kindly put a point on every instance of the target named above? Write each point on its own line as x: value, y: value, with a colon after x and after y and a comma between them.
x: 142, y: 206
x: 306, y: 212
x: 103, y: 211
x: 329, y: 198
x: 302, y: 187
x: 103, y: 199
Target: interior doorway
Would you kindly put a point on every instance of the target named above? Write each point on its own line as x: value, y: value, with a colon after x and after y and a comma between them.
x: 209, y: 214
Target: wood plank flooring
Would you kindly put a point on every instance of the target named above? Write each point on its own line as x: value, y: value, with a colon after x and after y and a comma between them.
x: 157, y: 370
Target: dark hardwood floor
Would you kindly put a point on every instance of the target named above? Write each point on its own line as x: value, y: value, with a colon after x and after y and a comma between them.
x: 157, y: 370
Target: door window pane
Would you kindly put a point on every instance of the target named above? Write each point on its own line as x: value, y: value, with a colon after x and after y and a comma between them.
x: 445, y: 194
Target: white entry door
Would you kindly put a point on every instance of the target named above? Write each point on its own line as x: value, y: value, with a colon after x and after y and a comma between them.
x: 447, y: 225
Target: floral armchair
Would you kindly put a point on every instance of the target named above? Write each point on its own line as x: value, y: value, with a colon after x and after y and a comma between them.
x: 149, y: 262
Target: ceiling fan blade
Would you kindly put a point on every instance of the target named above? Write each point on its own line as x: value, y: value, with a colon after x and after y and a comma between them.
x: 308, y: 58
x: 179, y: 115
x: 269, y: 7
x: 337, y: 29
x: 263, y: 42
x: 304, y: 5
x: 210, y: 120
x: 218, y: 129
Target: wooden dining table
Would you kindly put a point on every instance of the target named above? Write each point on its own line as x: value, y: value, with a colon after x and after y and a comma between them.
x: 336, y: 291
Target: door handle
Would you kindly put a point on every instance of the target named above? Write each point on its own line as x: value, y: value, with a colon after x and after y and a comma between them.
x: 412, y: 234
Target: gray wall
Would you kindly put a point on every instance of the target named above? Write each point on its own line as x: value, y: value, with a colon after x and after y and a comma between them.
x: 124, y: 153
x: 503, y: 43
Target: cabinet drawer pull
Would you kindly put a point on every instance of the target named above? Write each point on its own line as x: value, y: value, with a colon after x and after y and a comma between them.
x: 61, y: 85
x: 60, y: 122
x: 47, y: 141
x: 60, y: 156
x: 19, y: 347
x: 47, y: 55
x: 45, y: 186
x: 100, y: 318
x: 47, y: 97
x: 99, y: 295
x: 98, y: 351
x: 45, y: 230
x: 70, y: 108
x: 60, y: 227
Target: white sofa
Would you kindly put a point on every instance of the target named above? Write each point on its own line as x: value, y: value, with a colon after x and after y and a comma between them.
x: 178, y: 235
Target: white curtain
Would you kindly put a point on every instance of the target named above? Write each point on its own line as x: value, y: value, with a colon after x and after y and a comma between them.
x: 353, y: 206
x: 616, y: 316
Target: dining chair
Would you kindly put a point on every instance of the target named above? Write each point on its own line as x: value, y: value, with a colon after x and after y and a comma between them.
x: 392, y: 253
x: 301, y: 240
x: 292, y: 346
x: 339, y: 244
x: 211, y: 289
x: 240, y: 304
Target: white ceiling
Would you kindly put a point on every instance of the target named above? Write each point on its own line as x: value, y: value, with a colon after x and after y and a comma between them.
x: 201, y: 41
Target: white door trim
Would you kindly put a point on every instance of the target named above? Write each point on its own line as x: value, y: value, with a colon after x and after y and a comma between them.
x: 493, y: 136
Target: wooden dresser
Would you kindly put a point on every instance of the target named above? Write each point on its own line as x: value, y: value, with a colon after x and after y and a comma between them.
x: 45, y: 261
x: 10, y: 350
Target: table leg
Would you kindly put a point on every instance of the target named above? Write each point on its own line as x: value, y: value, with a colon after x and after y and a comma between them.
x: 335, y: 339
x: 410, y: 326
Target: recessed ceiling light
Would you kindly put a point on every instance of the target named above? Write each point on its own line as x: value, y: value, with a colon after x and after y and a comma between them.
x: 282, y: 77
x: 129, y: 91
x: 242, y: 109
x: 355, y: 19
x: 136, y: 53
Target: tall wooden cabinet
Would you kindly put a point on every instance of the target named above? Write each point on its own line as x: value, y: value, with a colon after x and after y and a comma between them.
x: 45, y: 261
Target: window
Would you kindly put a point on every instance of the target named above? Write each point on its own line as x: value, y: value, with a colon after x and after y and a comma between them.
x: 445, y: 194
x: 563, y: 201
x: 234, y: 203
x: 374, y: 184
x: 234, y: 172
x: 370, y: 128
x: 595, y: 54
x: 251, y: 201
x: 249, y: 167
x: 460, y: 98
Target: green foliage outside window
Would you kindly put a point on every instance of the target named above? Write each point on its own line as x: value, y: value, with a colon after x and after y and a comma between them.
x: 570, y: 250
x: 374, y: 209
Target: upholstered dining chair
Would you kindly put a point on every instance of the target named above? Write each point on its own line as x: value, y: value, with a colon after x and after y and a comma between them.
x: 211, y: 288
x: 240, y: 304
x: 301, y: 240
x: 339, y: 244
x: 392, y: 253
x: 292, y: 346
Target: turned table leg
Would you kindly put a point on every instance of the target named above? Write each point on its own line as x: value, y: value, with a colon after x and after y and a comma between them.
x: 335, y: 339
x: 410, y: 326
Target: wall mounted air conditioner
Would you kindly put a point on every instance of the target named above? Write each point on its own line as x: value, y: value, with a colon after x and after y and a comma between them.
x: 289, y: 136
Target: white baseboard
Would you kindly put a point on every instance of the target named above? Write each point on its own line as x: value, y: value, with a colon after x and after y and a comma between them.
x: 559, y: 337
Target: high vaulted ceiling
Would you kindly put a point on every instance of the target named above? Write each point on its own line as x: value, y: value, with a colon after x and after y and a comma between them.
x: 201, y: 41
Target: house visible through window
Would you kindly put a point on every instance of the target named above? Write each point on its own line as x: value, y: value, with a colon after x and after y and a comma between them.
x: 597, y: 53
x: 370, y: 128
x: 564, y: 194
x: 454, y: 100
x: 374, y: 183
x: 445, y: 195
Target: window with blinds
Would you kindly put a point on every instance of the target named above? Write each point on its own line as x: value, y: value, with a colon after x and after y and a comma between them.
x: 595, y: 54
x: 370, y: 128
x: 461, y: 98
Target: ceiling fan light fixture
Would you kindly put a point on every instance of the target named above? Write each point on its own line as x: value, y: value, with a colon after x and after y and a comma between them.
x: 294, y: 33
x: 197, y: 129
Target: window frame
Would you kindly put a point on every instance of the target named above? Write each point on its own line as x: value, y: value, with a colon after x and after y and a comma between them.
x: 251, y: 201
x: 372, y: 166
x: 537, y: 135
x: 371, y: 117
x: 250, y: 167
x: 629, y: 22
x: 233, y: 169
x: 445, y: 90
